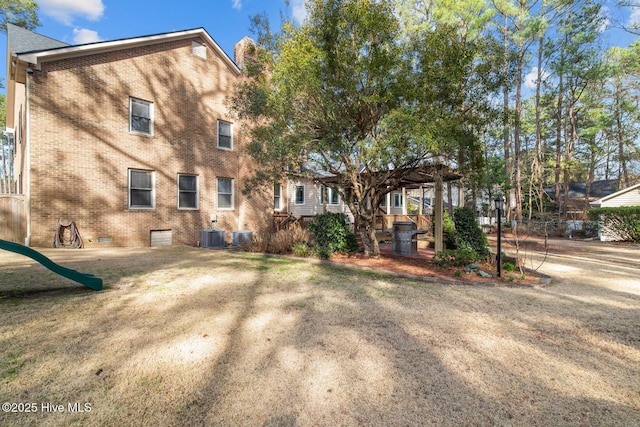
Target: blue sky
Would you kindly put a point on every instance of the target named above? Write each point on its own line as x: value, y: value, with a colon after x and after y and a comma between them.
x: 85, y: 21
x: 227, y: 21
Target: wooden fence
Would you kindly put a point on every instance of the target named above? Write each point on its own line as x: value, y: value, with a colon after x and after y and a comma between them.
x: 12, y: 219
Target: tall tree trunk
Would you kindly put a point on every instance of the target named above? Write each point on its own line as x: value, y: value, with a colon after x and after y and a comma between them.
x: 516, y: 137
x: 537, y: 163
x: 558, y: 143
x: 623, y: 173
x: 505, y: 109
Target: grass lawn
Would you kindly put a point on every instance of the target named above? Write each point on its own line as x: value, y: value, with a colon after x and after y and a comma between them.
x: 187, y: 336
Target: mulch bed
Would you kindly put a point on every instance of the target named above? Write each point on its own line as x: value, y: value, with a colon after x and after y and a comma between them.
x: 421, y: 264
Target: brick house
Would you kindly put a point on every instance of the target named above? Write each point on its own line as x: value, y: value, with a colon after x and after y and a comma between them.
x: 130, y: 139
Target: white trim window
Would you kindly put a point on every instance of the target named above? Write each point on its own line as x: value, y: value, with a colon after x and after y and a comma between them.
x: 397, y: 200
x: 187, y: 192
x: 299, y: 195
x: 225, y: 135
x: 140, y: 116
x: 141, y: 189
x: 277, y: 197
x: 333, y: 198
x: 225, y: 193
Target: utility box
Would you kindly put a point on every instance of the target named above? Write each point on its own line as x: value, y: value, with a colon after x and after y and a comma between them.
x: 212, y: 238
x: 241, y: 237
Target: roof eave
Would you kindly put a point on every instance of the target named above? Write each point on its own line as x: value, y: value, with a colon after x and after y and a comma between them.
x: 39, y: 57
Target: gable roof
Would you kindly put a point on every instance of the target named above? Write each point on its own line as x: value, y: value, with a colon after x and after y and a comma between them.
x: 23, y: 40
x: 614, y: 195
x: 48, y: 49
x: 578, y: 190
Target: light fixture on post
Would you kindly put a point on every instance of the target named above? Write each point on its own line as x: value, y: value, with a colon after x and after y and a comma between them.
x: 499, y: 205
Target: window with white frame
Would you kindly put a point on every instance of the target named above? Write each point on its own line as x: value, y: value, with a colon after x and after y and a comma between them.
x: 140, y: 116
x: 225, y: 135
x: 141, y: 189
x: 225, y: 193
x: 299, y: 195
x: 277, y: 197
x: 397, y: 200
x: 332, y: 196
x: 187, y: 191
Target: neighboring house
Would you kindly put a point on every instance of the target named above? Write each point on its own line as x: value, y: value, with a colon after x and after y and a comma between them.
x: 130, y: 139
x: 304, y: 197
x: 629, y: 196
x: 578, y: 202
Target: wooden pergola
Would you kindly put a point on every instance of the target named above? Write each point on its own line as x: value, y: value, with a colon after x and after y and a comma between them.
x: 435, y: 174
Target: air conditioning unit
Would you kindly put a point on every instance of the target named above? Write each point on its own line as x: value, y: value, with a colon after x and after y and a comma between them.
x: 240, y: 237
x: 212, y: 238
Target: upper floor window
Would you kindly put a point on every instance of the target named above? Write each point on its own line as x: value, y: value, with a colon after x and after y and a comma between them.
x: 141, y: 189
x: 140, y: 116
x: 225, y: 135
x: 187, y: 191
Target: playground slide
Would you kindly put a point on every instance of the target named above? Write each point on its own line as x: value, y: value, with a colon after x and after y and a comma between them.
x: 88, y: 280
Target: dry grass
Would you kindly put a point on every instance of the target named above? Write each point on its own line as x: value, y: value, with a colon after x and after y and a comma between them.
x: 184, y: 336
x: 280, y: 242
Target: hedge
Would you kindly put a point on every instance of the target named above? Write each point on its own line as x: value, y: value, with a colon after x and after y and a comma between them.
x: 621, y: 223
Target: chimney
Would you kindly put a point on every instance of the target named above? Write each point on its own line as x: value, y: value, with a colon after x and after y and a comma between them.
x: 244, y: 50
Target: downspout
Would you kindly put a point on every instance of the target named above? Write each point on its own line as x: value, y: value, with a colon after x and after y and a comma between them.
x: 27, y: 195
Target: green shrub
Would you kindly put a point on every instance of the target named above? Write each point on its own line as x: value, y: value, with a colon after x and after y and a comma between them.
x: 622, y: 223
x: 331, y: 234
x: 468, y: 232
x: 507, y: 266
x: 301, y: 249
x: 455, y: 257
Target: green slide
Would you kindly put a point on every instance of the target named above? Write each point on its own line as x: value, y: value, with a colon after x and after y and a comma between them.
x: 88, y: 280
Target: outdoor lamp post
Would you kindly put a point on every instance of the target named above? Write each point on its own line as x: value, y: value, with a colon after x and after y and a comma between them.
x: 499, y: 205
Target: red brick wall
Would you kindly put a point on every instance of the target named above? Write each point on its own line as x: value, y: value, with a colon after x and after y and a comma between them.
x: 82, y: 148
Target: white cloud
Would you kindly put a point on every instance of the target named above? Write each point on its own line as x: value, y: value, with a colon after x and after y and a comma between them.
x: 66, y: 10
x: 605, y: 15
x: 531, y: 78
x: 236, y: 4
x: 82, y: 36
x: 299, y: 11
x: 634, y: 18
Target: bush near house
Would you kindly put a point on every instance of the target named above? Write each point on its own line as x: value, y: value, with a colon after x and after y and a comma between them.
x: 621, y: 222
x: 465, y: 240
x: 469, y: 233
x: 332, y: 234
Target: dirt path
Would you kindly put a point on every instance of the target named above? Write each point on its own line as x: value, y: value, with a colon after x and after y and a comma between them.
x: 572, y: 262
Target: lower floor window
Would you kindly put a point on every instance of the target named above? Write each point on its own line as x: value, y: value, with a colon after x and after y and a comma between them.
x: 187, y: 191
x: 141, y: 189
x: 225, y: 193
x: 277, y: 197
